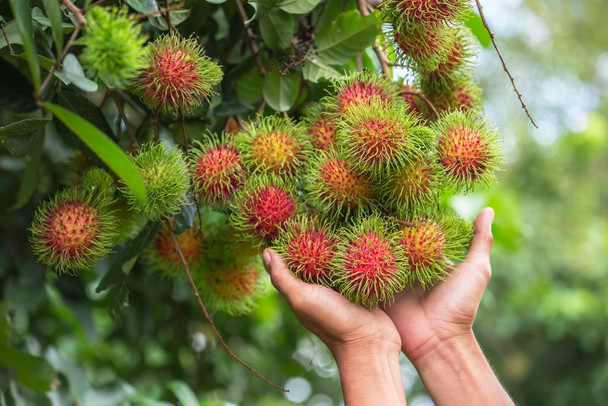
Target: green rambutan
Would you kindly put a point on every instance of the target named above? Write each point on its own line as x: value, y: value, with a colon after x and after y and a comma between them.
x: 370, y: 265
x: 431, y: 244
x: 262, y: 207
x: 274, y: 145
x: 217, y: 170
x: 379, y: 136
x: 166, y: 178
x: 113, y: 46
x: 178, y: 75
x: 359, y: 90
x: 468, y: 150
x: 335, y: 186
x: 321, y: 127
x: 425, y: 11
x: 308, y: 246
x: 98, y: 181
x: 73, y: 230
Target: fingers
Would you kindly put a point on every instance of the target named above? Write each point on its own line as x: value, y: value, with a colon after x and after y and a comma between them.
x: 280, y: 276
x: 479, y: 253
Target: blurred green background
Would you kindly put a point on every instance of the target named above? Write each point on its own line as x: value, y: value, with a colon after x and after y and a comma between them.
x: 543, y: 321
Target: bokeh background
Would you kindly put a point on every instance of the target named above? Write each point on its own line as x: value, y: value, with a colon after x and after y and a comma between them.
x: 543, y: 322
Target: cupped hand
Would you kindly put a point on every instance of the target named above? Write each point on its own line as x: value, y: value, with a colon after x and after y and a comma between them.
x: 428, y: 319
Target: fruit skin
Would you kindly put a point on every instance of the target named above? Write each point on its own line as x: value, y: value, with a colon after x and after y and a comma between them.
x: 457, y: 92
x: 99, y: 181
x: 425, y: 11
x: 430, y: 244
x: 113, y: 46
x: 422, y: 48
x: 274, y: 145
x: 458, y: 58
x: 73, y: 230
x: 379, y: 137
x: 178, y: 75
x: 308, y: 246
x: 335, y: 187
x: 217, y: 169
x: 321, y: 127
x: 468, y: 150
x: 358, y: 89
x: 262, y: 207
x: 167, y: 180
x: 370, y: 266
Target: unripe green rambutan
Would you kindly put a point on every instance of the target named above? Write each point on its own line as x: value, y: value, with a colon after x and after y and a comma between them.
x: 232, y: 288
x: 178, y: 75
x: 423, y: 48
x: 262, y: 207
x: 468, y: 150
x: 98, y: 181
x: 217, y: 170
x: 113, y: 46
x: 308, y: 246
x: 336, y: 187
x: 166, y: 178
x: 379, y: 136
x: 274, y: 145
x: 73, y: 230
x: 425, y: 11
x: 162, y: 257
x: 429, y: 246
x: 359, y: 90
x: 370, y: 266
x: 321, y: 127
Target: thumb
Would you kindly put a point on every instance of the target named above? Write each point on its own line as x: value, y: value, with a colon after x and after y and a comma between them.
x: 280, y: 276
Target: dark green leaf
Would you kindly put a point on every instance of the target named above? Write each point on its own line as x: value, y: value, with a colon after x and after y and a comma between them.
x: 31, y: 371
x: 12, y: 33
x: 249, y: 87
x: 298, y: 6
x: 475, y: 23
x: 23, y: 16
x: 186, y: 217
x: 31, y: 176
x: 277, y: 28
x: 143, y: 6
x: 104, y: 148
x: 54, y: 14
x: 280, y: 92
x: 314, y: 69
x: 177, y: 17
x: 19, y: 138
x: 347, y: 36
x: 231, y: 108
x: 16, y: 92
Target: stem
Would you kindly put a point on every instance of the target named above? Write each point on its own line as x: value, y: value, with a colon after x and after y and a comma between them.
x: 168, y: 16
x: 123, y: 116
x: 426, y: 100
x: 164, y: 10
x: 10, y: 47
x: 66, y: 49
x: 210, y: 320
x: 239, y: 121
x: 184, y: 135
x: 504, y: 64
x: 250, y: 36
x: 363, y: 5
x: 156, y: 120
x: 76, y: 11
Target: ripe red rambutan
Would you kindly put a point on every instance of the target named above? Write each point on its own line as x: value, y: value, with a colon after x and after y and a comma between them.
x: 321, y: 127
x: 423, y: 48
x: 162, y: 256
x: 359, y: 90
x: 426, y: 11
x: 370, y: 266
x: 415, y: 103
x: 308, y: 246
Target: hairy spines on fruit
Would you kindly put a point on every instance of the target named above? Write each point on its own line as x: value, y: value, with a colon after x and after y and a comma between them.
x: 422, y: 48
x: 321, y: 127
x: 360, y: 89
x: 425, y: 11
x: 98, y: 181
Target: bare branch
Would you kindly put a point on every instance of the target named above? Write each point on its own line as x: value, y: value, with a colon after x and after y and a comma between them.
x: 76, y: 11
x: 364, y: 9
x: 250, y: 36
x: 164, y: 10
x: 425, y: 99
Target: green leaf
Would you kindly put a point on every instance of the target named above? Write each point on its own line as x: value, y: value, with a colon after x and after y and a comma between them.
x: 249, y: 87
x: 20, y: 137
x: 185, y: 219
x: 298, y: 6
x: 277, y: 28
x: 143, y: 6
x: 31, y: 178
x: 183, y: 393
x: 345, y: 37
x: 474, y: 22
x: 314, y: 69
x: 280, y: 92
x: 73, y: 73
x: 104, y: 148
x: 216, y: 1
x: 23, y: 16
x: 15, y: 90
x: 12, y: 33
x: 177, y: 17
x: 31, y: 371
x: 54, y: 14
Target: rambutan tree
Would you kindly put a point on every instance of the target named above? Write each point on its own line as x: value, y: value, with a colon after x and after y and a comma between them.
x: 159, y: 146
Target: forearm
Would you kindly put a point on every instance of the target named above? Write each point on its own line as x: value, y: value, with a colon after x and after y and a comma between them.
x: 457, y: 372
x: 370, y: 377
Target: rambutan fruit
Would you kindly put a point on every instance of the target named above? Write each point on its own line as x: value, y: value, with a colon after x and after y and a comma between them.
x: 178, y: 75
x: 370, y: 265
x: 461, y: 50
x: 458, y: 93
x: 336, y: 187
x: 429, y: 246
x: 425, y: 11
x: 359, y: 90
x: 378, y: 136
x: 262, y: 207
x: 98, y: 181
x: 113, y: 46
x: 414, y: 102
x: 321, y: 127
x: 162, y: 257
x: 274, y: 145
x: 73, y: 230
x: 167, y: 180
x: 217, y: 170
x: 468, y: 150
x: 422, y: 48
x: 308, y: 246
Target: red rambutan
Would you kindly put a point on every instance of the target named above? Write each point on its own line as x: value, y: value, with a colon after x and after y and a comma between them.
x: 359, y: 90
x: 163, y: 257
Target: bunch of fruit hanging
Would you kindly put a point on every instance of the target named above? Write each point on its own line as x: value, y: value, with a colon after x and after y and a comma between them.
x: 351, y: 194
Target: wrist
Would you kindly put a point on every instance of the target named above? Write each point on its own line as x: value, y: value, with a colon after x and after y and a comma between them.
x: 445, y: 351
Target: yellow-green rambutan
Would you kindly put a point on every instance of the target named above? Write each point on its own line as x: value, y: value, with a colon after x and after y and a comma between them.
x: 360, y: 89
x: 321, y: 127
x: 98, y: 181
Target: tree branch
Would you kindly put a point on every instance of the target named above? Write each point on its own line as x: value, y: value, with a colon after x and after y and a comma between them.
x: 363, y: 7
x: 164, y: 10
x: 76, y: 11
x: 250, y: 36
x: 210, y: 320
x: 504, y: 64
x: 425, y: 99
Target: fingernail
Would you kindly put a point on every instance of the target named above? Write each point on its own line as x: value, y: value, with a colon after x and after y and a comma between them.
x: 491, y: 213
x: 266, y: 258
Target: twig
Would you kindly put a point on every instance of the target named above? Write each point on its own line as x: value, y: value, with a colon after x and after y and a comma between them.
x: 164, y: 10
x: 184, y: 135
x: 250, y: 40
x: 239, y: 121
x: 404, y: 223
x: 210, y: 320
x: 131, y: 103
x: 123, y: 116
x: 98, y: 2
x: 10, y: 47
x: 76, y: 11
x: 425, y: 99
x: 156, y: 120
x: 58, y: 62
x: 168, y: 16
x: 104, y: 100
x: 364, y: 9
x: 504, y: 64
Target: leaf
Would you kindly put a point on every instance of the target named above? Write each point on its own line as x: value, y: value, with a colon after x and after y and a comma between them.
x: 216, y: 1
x: 72, y: 72
x: 183, y: 393
x: 54, y: 14
x: 277, y: 28
x: 298, y: 6
x: 12, y: 33
x: 104, y: 148
x: 184, y: 220
x: 314, y: 69
x: 23, y: 16
x: 280, y: 92
x: 143, y: 6
x: 20, y: 137
x: 31, y: 371
x: 15, y: 90
x: 345, y: 37
x: 177, y: 17
x: 31, y: 178
x: 249, y: 87
x: 474, y: 22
